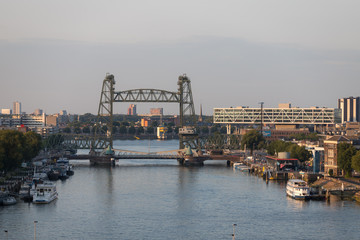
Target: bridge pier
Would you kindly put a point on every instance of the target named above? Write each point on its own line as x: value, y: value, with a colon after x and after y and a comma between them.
x: 192, y: 161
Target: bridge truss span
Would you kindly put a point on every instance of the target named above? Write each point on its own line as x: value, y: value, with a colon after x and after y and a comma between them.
x: 146, y: 95
x: 109, y: 96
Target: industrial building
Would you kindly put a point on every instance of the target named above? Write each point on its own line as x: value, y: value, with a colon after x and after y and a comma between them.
x: 275, y: 116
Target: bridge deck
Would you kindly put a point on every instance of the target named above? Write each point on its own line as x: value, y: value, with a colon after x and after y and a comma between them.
x: 233, y: 158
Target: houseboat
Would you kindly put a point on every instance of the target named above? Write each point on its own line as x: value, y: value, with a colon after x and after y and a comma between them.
x: 297, y: 189
x: 45, y: 193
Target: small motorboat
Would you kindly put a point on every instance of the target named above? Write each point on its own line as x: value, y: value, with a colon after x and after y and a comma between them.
x: 9, y: 200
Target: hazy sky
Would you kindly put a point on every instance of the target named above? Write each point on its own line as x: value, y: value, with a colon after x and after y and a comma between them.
x: 55, y: 54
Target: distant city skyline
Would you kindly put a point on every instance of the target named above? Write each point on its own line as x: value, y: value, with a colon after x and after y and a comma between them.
x: 54, y: 56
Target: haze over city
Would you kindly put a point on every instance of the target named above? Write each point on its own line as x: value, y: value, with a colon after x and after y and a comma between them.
x: 54, y: 55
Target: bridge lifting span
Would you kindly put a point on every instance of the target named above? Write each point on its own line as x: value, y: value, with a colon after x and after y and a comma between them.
x: 104, y: 124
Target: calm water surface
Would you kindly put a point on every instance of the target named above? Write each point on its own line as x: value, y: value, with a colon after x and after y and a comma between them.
x: 157, y: 199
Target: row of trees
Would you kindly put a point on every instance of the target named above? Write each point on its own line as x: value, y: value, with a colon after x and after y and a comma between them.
x: 255, y: 140
x: 296, y: 151
x: 348, y: 158
x: 16, y: 147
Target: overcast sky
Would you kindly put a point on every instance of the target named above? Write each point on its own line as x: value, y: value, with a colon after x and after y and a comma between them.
x: 55, y: 54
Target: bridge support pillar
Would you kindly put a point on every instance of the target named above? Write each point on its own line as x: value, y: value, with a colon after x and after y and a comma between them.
x: 191, y: 161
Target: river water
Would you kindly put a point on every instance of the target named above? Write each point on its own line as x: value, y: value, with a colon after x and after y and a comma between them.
x: 158, y: 199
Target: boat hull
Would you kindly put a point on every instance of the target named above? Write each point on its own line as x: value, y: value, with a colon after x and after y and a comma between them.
x: 44, y: 200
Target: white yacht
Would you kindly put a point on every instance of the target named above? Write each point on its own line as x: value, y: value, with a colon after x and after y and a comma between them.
x: 297, y: 189
x: 45, y: 193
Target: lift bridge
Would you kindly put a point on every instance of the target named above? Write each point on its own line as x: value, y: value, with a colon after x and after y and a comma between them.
x: 103, y: 135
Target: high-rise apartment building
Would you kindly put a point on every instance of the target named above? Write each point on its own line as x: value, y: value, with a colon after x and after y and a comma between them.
x: 132, y: 109
x: 350, y: 109
x: 17, y: 108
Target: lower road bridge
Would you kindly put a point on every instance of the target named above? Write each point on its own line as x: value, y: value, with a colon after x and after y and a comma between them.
x: 182, y: 156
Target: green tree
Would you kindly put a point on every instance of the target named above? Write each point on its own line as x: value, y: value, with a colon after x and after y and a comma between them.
x: 303, y: 136
x: 214, y: 128
x: 169, y: 129
x: 205, y: 130
x: 132, y: 130
x: 11, y: 149
x: 150, y: 130
x: 355, y: 161
x: 278, y: 146
x: 176, y: 130
x: 299, y: 152
x: 345, y: 153
x: 67, y: 130
x: 140, y: 130
x: 123, y: 129
x: 252, y: 140
x: 86, y: 129
x: 223, y: 130
x: 124, y: 123
x: 77, y: 130
x: 33, y: 145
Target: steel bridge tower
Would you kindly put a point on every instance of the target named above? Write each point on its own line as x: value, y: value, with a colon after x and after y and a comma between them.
x: 104, y: 124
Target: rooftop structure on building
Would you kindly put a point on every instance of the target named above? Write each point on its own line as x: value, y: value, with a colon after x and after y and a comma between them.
x: 284, y: 115
x: 156, y: 111
x: 63, y: 112
x: 38, y: 111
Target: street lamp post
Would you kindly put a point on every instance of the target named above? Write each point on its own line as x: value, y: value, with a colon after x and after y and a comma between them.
x: 6, y: 234
x: 233, y: 235
x: 35, y: 222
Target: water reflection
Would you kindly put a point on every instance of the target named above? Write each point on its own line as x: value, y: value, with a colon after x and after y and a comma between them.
x: 297, y: 204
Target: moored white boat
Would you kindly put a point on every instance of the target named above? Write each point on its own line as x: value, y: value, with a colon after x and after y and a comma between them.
x: 241, y: 167
x: 9, y: 200
x: 297, y: 189
x: 45, y: 193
